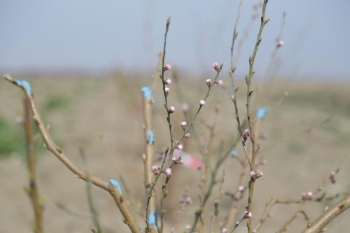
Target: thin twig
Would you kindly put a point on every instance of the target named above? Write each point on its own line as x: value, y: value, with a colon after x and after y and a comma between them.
x: 92, y: 207
x: 249, y: 78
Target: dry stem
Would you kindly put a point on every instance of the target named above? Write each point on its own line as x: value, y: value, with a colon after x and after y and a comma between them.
x: 51, y: 146
x: 30, y: 148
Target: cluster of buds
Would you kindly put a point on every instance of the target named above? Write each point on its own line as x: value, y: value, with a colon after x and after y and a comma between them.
x: 256, y: 175
x: 247, y: 214
x: 184, y: 125
x: 186, y: 199
x: 167, y: 67
x: 177, y: 160
x: 306, y: 196
x: 201, y: 103
x: 256, y: 7
x: 332, y: 176
x: 216, y: 67
x: 187, y: 135
x: 246, y: 134
x: 155, y: 169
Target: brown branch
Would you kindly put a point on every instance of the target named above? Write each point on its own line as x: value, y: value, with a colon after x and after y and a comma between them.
x: 268, y: 208
x: 231, y: 217
x: 148, y: 160
x: 249, y: 78
x: 328, y: 216
x: 33, y: 192
x: 51, y: 146
x: 128, y: 218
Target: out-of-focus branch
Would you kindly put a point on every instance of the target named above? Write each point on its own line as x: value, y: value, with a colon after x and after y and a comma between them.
x: 32, y: 192
x: 248, y: 79
x: 328, y: 216
x: 148, y: 157
x: 231, y: 217
x: 128, y: 218
x: 51, y: 146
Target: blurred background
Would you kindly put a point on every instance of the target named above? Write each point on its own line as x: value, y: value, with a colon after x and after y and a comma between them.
x: 87, y: 61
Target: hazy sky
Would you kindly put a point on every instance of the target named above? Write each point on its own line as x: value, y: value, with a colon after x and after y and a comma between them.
x: 104, y: 35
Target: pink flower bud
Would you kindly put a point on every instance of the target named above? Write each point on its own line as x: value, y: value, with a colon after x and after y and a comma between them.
x: 188, y: 201
x: 168, y: 81
x: 171, y: 109
x: 179, y: 147
x: 167, y: 67
x: 280, y: 43
x: 256, y: 175
x: 248, y: 214
x: 333, y: 173
x: 252, y: 174
x: 201, y: 103
x: 220, y: 82
x: 155, y: 169
x: 216, y: 67
x: 224, y: 230
x: 188, y: 226
x: 167, y: 89
x: 259, y: 174
x: 309, y: 195
x: 241, y: 188
x: 183, y: 125
x: 185, y: 107
x: 255, y: 15
x: 167, y: 171
x: 208, y: 81
x: 306, y: 196
x: 246, y: 134
x: 187, y: 135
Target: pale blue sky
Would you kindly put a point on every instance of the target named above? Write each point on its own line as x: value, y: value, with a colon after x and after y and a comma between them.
x: 98, y: 36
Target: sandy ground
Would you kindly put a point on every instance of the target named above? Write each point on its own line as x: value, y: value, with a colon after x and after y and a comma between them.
x: 112, y: 106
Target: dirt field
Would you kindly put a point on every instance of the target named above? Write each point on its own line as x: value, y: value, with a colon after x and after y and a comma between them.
x: 79, y: 108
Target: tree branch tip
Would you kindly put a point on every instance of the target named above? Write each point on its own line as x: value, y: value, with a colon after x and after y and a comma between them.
x: 117, y: 185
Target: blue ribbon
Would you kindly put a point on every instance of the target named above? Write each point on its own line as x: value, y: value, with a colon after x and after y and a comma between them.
x: 234, y: 153
x: 152, y: 220
x: 25, y: 84
x: 261, y: 112
x: 150, y: 136
x: 117, y: 185
x: 147, y: 92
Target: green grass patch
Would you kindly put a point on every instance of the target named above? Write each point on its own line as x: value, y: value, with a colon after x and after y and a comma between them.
x: 56, y: 102
x: 12, y: 140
